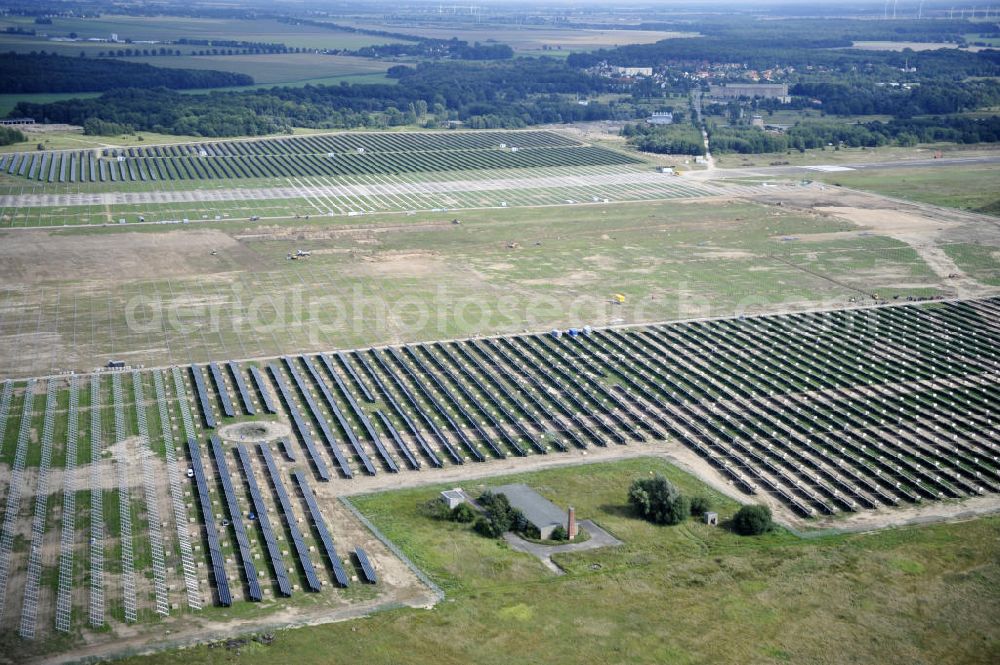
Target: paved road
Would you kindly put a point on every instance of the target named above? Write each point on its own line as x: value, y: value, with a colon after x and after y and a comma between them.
x: 598, y: 538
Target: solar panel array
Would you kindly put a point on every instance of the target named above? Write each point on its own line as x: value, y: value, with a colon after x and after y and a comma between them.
x: 524, y: 401
x: 366, y: 566
x: 177, y: 495
x: 404, y: 416
x: 345, y: 362
x: 316, y: 416
x: 435, y: 403
x: 300, y: 424
x: 236, y: 519
x: 241, y: 388
x: 264, y: 522
x: 359, y: 413
x: 319, y: 523
x: 208, y: 416
x: 345, y: 426
x: 301, y: 549
x: 411, y: 399
x: 222, y: 390
x: 827, y: 412
x: 152, y: 502
x: 96, y: 606
x: 261, y: 385
x: 64, y: 597
x: 215, y: 556
x: 16, y: 489
x: 124, y: 502
x: 29, y: 607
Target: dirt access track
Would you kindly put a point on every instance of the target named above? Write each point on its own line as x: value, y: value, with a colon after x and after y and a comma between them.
x: 923, y: 227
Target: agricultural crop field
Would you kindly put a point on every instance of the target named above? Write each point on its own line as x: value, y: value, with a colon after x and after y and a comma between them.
x: 820, y: 413
x: 524, y: 39
x: 171, y: 28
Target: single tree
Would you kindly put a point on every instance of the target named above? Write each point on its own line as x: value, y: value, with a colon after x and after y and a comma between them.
x: 658, y: 500
x: 753, y: 520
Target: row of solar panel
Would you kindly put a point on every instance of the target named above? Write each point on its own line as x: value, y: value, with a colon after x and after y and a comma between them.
x: 444, y: 379
x: 260, y: 516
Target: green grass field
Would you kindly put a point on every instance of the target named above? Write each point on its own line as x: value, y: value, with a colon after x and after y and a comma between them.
x: 684, y: 594
x: 970, y: 187
x: 855, y: 155
x: 982, y: 262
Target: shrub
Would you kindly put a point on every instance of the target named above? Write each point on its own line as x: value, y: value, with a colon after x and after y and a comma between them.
x: 435, y: 509
x: 463, y: 513
x: 484, y: 526
x: 700, y: 505
x: 753, y: 520
x: 502, y: 517
x: 657, y: 500
x: 559, y: 533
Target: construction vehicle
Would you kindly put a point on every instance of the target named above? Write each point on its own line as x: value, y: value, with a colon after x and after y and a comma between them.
x: 618, y: 299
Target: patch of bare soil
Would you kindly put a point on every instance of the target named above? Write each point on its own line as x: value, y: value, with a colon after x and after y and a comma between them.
x: 259, y: 430
x: 889, y: 221
x: 32, y: 257
x: 916, y: 227
x: 403, y: 264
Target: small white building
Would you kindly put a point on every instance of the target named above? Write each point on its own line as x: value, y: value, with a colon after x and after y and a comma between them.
x: 453, y: 497
x: 661, y: 118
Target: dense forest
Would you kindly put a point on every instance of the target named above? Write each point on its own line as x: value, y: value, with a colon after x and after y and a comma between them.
x: 511, y: 93
x: 802, y: 136
x: 679, y: 139
x: 32, y: 72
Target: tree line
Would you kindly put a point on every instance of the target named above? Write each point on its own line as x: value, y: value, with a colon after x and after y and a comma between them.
x: 904, y: 132
x: 506, y: 94
x: 676, y: 139
x: 46, y: 72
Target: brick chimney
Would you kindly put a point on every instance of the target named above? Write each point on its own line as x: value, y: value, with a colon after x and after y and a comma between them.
x: 571, y: 523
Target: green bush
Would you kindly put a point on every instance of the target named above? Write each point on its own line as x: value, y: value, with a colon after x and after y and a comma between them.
x: 753, y: 520
x: 700, y: 505
x: 487, y: 527
x: 658, y: 500
x: 559, y: 533
x: 499, y: 517
x: 463, y: 513
x: 9, y: 136
x: 435, y: 509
